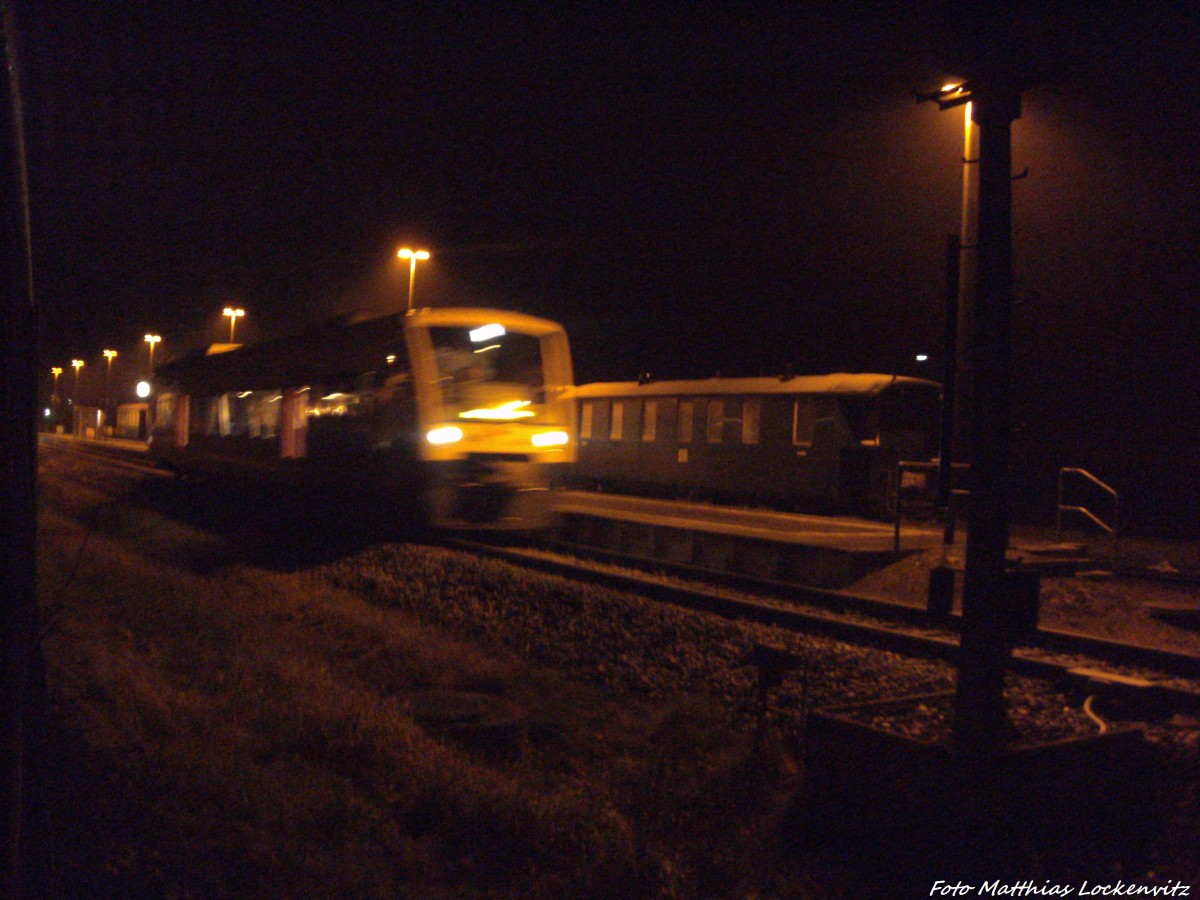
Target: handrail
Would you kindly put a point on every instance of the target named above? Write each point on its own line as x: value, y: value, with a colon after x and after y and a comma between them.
x: 1087, y: 513
x: 1110, y: 529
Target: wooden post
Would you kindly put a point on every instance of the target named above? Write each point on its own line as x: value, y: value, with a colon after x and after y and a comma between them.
x: 980, y: 717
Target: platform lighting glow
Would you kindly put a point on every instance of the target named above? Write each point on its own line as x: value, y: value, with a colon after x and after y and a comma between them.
x: 143, y: 389
x: 391, y: 358
x: 446, y: 434
x: 549, y: 439
x: 514, y: 409
x: 333, y: 396
x: 486, y: 333
x: 921, y: 357
x: 46, y: 413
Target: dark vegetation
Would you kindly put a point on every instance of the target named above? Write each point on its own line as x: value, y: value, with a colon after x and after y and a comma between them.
x: 237, y: 714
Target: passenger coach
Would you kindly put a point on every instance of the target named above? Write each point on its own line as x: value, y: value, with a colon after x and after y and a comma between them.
x: 824, y: 442
x: 457, y: 416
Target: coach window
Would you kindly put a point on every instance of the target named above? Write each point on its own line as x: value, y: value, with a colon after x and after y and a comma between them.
x: 585, y: 420
x: 601, y: 417
x: 217, y: 415
x: 716, y: 420
x: 263, y: 413
x: 618, y: 420
x: 686, y: 415
x: 164, y: 413
x: 650, y: 420
x: 812, y: 414
x: 804, y: 418
x: 207, y: 415
x: 751, y: 416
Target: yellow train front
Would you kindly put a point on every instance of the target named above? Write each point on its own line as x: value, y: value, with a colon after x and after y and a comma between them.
x: 455, y: 418
x: 497, y: 414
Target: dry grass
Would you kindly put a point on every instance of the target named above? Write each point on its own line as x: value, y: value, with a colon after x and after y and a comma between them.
x: 227, y: 730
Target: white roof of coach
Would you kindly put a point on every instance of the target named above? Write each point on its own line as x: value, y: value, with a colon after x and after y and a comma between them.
x: 838, y: 383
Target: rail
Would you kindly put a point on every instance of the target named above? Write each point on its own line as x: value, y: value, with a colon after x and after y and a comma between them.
x: 1089, y: 478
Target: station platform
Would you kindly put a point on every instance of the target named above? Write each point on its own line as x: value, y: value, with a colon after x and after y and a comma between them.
x: 838, y: 532
x: 833, y: 551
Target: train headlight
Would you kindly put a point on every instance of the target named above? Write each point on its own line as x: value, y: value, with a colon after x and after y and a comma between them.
x: 447, y: 434
x: 486, y: 332
x: 549, y: 439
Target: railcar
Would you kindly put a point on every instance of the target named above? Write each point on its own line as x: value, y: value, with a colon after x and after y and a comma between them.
x: 452, y: 418
x: 825, y: 443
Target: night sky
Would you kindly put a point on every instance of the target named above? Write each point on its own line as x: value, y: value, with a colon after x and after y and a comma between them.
x: 690, y: 188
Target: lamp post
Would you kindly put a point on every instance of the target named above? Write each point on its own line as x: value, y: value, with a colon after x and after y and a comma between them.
x: 153, y: 339
x: 233, y: 314
x: 968, y: 240
x: 109, y: 356
x: 55, y: 371
x: 77, y: 364
x: 412, y: 256
x: 960, y: 302
x: 982, y: 44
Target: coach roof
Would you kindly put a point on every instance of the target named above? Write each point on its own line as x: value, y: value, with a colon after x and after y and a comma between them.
x: 838, y: 383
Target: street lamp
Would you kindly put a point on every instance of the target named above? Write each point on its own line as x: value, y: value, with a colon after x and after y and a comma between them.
x: 153, y: 339
x: 77, y: 364
x: 233, y: 317
x: 109, y: 356
x: 960, y: 297
x: 412, y: 256
x: 55, y: 371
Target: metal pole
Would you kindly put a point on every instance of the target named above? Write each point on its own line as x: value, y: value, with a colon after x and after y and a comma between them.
x: 412, y: 277
x: 968, y: 241
x: 950, y: 370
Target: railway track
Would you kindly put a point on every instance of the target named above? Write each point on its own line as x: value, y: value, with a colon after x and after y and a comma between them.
x: 1151, y: 678
x: 116, y: 456
x: 1155, y: 682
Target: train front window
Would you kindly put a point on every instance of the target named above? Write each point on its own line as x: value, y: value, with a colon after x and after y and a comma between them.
x: 489, y: 374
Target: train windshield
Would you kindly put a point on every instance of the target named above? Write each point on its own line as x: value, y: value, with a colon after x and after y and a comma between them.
x: 489, y: 374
